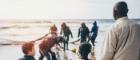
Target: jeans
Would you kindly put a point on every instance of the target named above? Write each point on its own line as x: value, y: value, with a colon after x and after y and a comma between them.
x: 66, y: 42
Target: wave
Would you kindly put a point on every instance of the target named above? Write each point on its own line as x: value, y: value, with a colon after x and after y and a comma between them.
x: 15, y: 26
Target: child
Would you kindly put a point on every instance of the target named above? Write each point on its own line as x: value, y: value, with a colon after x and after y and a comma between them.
x: 28, y: 50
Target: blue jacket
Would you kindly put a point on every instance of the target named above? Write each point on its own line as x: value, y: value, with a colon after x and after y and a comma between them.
x: 94, y: 30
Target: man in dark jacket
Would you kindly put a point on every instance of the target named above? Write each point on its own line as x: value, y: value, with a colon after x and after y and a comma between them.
x: 83, y: 33
x: 94, y: 32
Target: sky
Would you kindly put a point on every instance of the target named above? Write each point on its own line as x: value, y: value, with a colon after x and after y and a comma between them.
x: 63, y: 9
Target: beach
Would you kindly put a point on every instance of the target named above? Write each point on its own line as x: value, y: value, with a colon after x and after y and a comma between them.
x: 31, y: 30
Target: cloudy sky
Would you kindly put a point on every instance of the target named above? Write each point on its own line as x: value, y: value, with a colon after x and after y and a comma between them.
x: 63, y: 9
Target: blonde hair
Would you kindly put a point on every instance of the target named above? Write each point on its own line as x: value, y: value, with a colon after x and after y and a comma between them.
x: 53, y: 28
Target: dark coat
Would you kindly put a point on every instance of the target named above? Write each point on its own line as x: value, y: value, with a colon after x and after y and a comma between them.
x: 27, y: 58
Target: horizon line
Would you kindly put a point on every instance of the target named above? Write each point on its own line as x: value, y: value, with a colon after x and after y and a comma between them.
x: 61, y: 19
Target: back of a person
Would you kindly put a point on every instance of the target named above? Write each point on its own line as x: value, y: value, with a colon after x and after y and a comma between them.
x: 122, y: 41
x: 51, y: 40
x: 84, y: 31
x: 48, y: 42
x: 94, y: 29
x: 128, y: 46
x: 66, y: 31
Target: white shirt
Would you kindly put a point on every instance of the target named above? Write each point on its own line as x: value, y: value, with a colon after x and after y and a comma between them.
x: 122, y: 41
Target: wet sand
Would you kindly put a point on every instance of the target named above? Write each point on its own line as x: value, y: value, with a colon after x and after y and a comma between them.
x: 14, y: 52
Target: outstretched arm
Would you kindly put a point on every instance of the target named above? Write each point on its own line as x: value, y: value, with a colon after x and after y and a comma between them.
x: 40, y: 38
x: 71, y: 33
x: 75, y: 41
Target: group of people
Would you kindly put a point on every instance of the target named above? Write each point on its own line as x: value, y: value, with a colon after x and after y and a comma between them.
x: 52, y: 38
x: 49, y: 40
x: 85, y: 34
x: 121, y: 42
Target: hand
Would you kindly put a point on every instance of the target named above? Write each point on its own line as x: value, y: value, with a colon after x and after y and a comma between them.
x: 32, y: 41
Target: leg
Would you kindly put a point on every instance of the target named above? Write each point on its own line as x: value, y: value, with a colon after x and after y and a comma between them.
x: 67, y: 45
x: 41, y: 56
x: 57, y: 55
x: 93, y: 40
x: 67, y: 42
x: 64, y: 46
x: 53, y: 55
x: 47, y: 55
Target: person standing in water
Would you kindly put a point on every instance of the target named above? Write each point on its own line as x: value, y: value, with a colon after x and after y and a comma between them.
x: 65, y: 32
x: 93, y: 33
x: 83, y: 33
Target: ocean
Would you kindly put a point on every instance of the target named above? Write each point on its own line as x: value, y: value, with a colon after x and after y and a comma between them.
x: 28, y: 30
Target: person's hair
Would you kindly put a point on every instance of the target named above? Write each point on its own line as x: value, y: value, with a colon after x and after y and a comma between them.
x: 83, y: 24
x: 53, y: 29
x: 26, y: 47
x: 85, y: 49
x: 121, y: 9
x: 63, y: 25
x: 95, y: 23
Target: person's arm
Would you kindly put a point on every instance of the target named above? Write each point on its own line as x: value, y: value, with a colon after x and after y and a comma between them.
x: 59, y: 46
x: 92, y: 29
x: 109, y: 46
x: 97, y: 30
x: 78, y: 32
x: 88, y: 32
x: 40, y: 38
x: 61, y: 32
x: 71, y: 33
